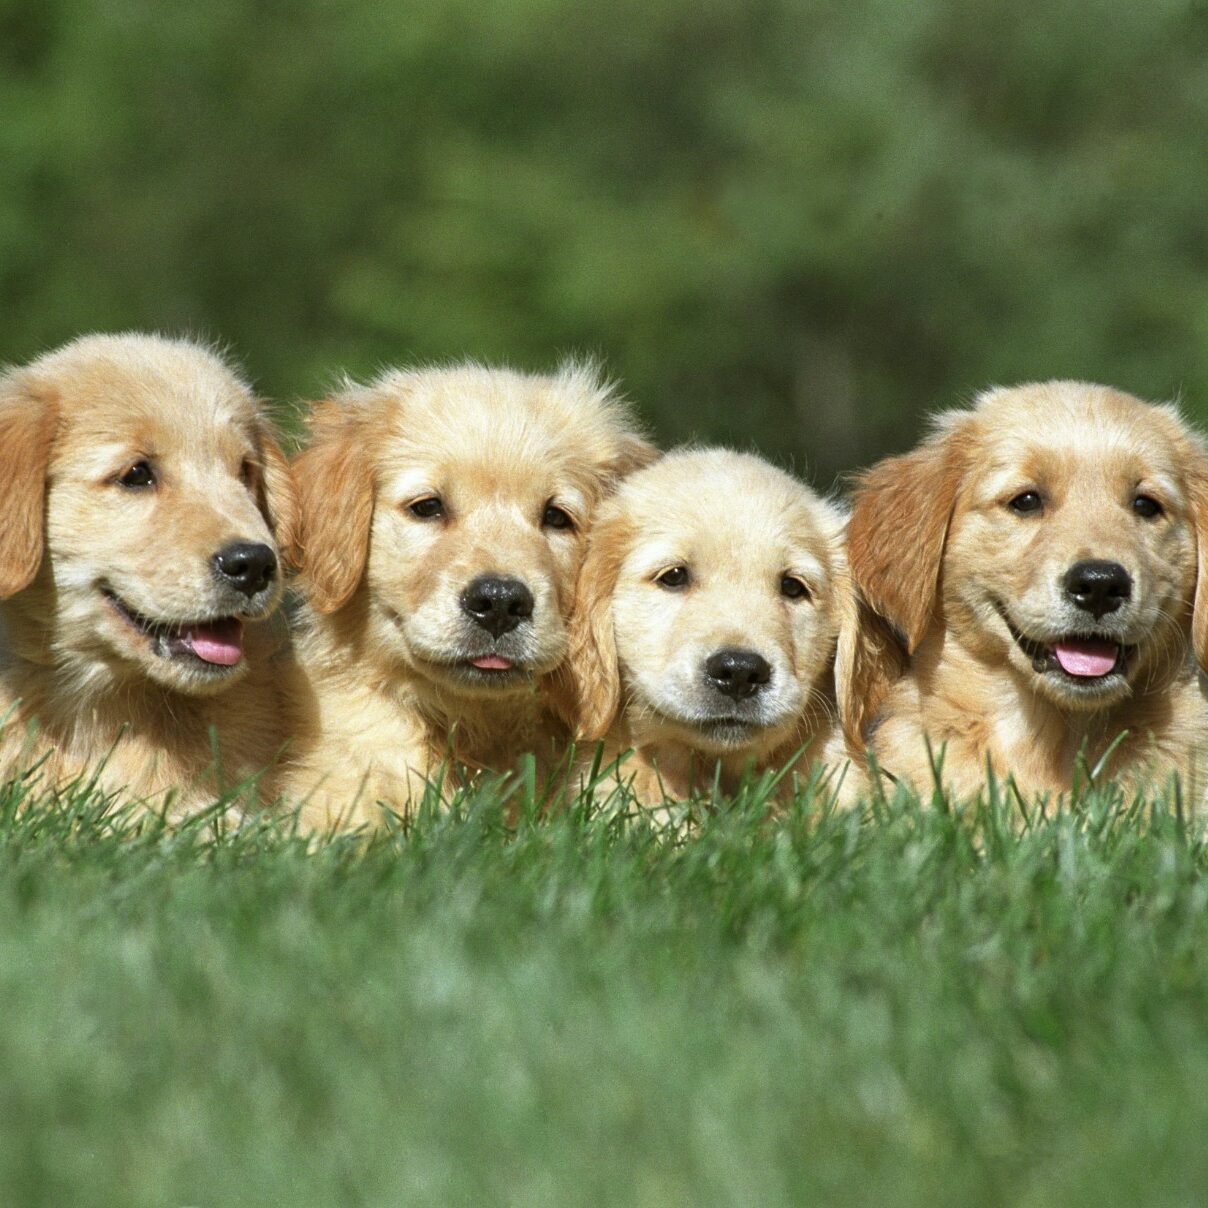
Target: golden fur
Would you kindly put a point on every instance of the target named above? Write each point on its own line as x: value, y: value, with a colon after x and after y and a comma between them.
x: 741, y: 535
x: 494, y: 462
x: 978, y: 588
x: 107, y: 589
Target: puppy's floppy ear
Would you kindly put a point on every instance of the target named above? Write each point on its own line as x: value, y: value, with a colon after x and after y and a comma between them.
x: 608, y: 432
x: 632, y: 452
x: 868, y: 661
x: 1199, y: 610
x: 898, y: 527
x: 334, y: 479
x: 868, y: 657
x: 586, y: 687
x: 27, y: 429
x: 279, y: 501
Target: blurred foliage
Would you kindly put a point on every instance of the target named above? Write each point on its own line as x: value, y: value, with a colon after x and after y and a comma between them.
x: 790, y: 223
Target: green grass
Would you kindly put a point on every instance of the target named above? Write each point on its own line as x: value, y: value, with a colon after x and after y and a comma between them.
x: 909, y: 1006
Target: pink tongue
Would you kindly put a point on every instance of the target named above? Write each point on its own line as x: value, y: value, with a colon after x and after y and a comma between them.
x: 1086, y: 658
x: 219, y: 642
x: 491, y: 662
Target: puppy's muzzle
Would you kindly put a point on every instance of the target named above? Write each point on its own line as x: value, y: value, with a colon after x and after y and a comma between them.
x: 497, y: 603
x: 246, y: 566
x: 738, y: 674
x: 1097, y: 587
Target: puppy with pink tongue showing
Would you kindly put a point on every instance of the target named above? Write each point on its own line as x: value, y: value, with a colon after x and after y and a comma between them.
x: 221, y: 643
x: 1042, y: 558
x: 1086, y: 658
x: 146, y: 515
x: 445, y: 516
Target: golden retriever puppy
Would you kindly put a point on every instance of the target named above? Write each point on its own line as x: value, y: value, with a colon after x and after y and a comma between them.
x: 1043, y: 558
x: 711, y: 604
x: 146, y: 513
x: 445, y: 513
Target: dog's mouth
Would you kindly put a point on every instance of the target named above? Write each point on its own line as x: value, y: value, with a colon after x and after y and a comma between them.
x: 732, y: 733
x: 725, y: 730
x: 489, y: 669
x: 1078, y: 659
x: 215, y: 645
x: 731, y: 729
x: 492, y: 671
x: 483, y: 670
x: 493, y: 664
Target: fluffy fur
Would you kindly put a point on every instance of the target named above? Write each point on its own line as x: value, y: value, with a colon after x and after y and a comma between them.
x: 713, y: 555
x: 965, y: 546
x: 129, y: 463
x: 413, y: 489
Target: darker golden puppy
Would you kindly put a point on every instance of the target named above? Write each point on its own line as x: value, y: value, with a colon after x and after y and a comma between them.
x: 445, y: 513
x: 710, y: 608
x: 146, y: 513
x: 1042, y: 557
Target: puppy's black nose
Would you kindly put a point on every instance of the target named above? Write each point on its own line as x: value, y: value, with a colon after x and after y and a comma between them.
x: 247, y: 566
x: 497, y: 604
x: 737, y: 673
x: 1098, y: 587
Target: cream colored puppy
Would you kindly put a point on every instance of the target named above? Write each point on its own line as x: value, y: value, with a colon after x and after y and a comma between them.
x: 445, y: 517
x: 1043, y: 558
x: 711, y: 606
x: 146, y: 513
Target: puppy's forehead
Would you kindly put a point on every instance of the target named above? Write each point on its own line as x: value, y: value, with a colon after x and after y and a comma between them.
x: 728, y: 507
x: 490, y: 431
x: 1063, y: 430
x: 153, y: 394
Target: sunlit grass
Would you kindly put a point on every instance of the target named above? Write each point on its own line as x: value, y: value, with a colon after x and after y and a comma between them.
x: 913, y: 1003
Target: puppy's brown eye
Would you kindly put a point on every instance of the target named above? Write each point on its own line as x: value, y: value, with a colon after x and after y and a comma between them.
x: 247, y: 473
x: 793, y: 588
x: 1147, y: 507
x: 139, y: 475
x: 556, y: 518
x: 428, y: 508
x: 1026, y: 504
x: 673, y: 577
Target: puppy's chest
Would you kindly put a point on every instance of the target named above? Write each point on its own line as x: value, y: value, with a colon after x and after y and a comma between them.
x: 133, y: 765
x: 143, y: 749
x: 493, y: 740
x: 1132, y: 746
x: 678, y: 773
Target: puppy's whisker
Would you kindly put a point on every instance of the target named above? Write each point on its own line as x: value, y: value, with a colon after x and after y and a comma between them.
x: 1171, y: 647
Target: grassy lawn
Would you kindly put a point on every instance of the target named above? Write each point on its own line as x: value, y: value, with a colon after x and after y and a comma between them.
x: 912, y: 1006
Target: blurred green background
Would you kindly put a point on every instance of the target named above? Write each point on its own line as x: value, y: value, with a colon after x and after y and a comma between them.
x: 788, y: 223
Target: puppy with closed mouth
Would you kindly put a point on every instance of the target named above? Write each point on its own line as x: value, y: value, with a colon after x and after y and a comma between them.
x: 711, y: 607
x: 147, y: 513
x: 1042, y: 559
x: 445, y: 514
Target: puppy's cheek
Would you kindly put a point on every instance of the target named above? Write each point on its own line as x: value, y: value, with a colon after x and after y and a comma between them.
x: 84, y: 620
x: 550, y: 636
x: 276, y: 594
x: 788, y: 690
x: 552, y: 650
x: 190, y: 592
x: 786, y: 699
x: 1165, y: 622
x: 1039, y: 609
x: 682, y: 683
x: 644, y: 640
x: 389, y: 639
x: 429, y: 627
x: 403, y: 570
x: 550, y: 642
